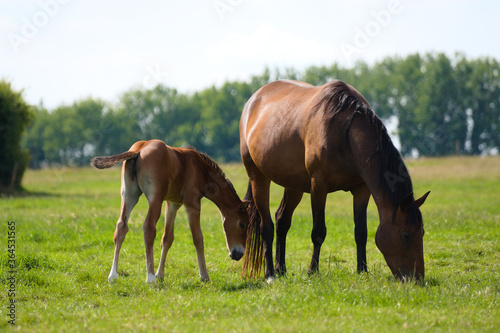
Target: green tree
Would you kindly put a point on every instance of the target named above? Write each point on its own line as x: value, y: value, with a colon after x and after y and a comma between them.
x: 220, y: 116
x: 34, y: 139
x: 73, y: 132
x: 440, y: 118
x: 481, y: 90
x: 159, y: 113
x: 15, y: 116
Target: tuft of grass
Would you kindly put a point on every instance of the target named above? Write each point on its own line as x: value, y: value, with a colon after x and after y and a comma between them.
x: 64, y: 228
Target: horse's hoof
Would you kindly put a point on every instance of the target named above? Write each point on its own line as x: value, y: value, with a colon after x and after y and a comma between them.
x: 270, y: 280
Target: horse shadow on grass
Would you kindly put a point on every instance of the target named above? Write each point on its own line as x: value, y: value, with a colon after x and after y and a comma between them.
x: 243, y: 285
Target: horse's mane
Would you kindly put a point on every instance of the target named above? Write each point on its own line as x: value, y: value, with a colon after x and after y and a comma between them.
x: 213, y: 165
x: 338, y: 97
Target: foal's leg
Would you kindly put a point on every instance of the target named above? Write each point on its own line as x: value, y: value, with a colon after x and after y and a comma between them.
x: 149, y: 229
x: 361, y: 196
x: 168, y: 236
x: 194, y: 223
x: 284, y: 213
x: 318, y: 235
x: 130, y: 195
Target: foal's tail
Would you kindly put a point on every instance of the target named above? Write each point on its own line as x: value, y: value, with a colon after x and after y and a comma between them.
x: 254, y: 258
x: 103, y: 162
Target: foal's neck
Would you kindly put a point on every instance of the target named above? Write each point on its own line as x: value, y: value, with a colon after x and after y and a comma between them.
x: 219, y: 190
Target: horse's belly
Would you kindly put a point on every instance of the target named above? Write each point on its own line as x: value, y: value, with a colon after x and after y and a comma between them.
x: 287, y: 167
x: 283, y: 165
x: 299, y: 182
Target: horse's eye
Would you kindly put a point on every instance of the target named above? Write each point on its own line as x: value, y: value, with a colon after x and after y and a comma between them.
x: 241, y: 225
x: 406, y: 235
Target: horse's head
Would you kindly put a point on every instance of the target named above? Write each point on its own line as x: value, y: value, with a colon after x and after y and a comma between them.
x: 401, y: 240
x: 235, y: 223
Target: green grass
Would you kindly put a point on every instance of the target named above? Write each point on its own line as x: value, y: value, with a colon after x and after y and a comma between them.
x: 64, y: 249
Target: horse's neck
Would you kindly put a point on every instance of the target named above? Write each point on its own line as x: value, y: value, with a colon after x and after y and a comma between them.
x: 386, y: 176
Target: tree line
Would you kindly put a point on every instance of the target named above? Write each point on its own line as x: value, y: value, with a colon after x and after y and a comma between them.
x: 444, y: 105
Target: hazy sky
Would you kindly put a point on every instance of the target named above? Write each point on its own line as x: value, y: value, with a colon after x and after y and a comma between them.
x: 59, y: 51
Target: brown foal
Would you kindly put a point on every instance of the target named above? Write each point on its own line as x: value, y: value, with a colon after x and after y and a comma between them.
x: 180, y: 177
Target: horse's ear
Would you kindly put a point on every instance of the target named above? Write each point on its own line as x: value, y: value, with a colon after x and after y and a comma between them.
x: 244, y: 205
x: 421, y: 201
x: 407, y: 201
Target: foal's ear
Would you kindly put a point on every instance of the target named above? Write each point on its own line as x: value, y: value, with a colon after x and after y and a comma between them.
x: 244, y: 205
x: 421, y: 201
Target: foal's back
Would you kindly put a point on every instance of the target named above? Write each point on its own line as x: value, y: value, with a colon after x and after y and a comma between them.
x: 163, y: 171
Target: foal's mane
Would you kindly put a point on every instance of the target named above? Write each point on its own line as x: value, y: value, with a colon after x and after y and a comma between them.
x: 338, y: 97
x: 215, y: 167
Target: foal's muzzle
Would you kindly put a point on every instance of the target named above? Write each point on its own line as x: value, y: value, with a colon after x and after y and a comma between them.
x: 236, y: 253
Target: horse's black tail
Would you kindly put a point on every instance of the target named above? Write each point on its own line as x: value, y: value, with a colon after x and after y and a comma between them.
x: 103, y: 162
x: 254, y: 255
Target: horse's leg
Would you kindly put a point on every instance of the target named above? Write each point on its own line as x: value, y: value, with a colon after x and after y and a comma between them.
x: 149, y: 230
x: 130, y: 195
x: 194, y: 223
x: 284, y: 214
x: 260, y: 189
x: 361, y: 196
x: 318, y: 234
x: 168, y: 236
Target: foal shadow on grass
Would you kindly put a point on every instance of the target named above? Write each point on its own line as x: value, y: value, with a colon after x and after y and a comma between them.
x: 224, y: 286
x: 22, y: 193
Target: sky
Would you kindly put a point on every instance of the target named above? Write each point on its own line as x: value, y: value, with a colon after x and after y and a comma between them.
x: 60, y: 51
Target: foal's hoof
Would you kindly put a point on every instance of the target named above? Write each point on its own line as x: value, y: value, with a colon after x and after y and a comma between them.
x: 270, y: 280
x: 112, y: 278
x: 151, y: 278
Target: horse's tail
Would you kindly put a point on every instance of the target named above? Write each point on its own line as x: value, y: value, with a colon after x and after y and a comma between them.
x: 103, y: 162
x: 254, y: 258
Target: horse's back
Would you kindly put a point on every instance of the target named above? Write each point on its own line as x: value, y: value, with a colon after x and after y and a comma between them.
x: 288, y: 135
x: 273, y: 129
x: 270, y: 99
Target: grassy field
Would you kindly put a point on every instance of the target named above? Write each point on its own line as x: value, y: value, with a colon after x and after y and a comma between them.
x: 63, y: 247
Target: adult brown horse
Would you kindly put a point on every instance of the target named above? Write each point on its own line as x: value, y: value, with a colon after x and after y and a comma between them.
x: 320, y: 140
x: 180, y: 177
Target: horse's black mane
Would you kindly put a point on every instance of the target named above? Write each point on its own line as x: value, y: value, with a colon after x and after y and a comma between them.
x: 393, y: 175
x: 215, y: 167
x: 337, y: 97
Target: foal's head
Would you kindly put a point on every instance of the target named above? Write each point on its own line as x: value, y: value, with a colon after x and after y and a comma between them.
x: 401, y: 241
x: 234, y: 212
x: 235, y: 223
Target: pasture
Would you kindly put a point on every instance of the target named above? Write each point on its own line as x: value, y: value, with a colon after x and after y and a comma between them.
x: 64, y: 229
